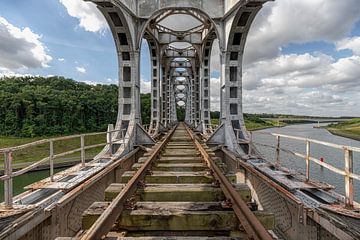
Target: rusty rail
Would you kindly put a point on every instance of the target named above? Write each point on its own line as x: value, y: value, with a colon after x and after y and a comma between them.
x: 252, y: 226
x: 347, y: 172
x: 9, y: 174
x: 107, y: 219
x: 93, y: 180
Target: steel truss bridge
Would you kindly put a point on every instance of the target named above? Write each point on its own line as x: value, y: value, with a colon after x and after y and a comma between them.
x: 172, y: 180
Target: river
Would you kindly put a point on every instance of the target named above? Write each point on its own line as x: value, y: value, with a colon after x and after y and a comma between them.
x: 332, y: 156
x: 26, y: 179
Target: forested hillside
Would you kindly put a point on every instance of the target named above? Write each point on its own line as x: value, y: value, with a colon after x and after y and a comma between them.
x: 37, y: 106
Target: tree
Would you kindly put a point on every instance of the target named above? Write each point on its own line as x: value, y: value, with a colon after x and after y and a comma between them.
x: 37, y: 106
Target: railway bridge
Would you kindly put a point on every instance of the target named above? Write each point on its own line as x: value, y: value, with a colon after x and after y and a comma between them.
x: 180, y: 180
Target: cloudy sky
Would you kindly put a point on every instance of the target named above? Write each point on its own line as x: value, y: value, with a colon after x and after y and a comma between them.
x: 302, y: 56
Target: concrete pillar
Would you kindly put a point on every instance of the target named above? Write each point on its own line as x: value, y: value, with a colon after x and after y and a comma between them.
x: 155, y: 86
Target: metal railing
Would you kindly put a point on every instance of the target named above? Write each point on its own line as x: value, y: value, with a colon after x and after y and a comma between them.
x: 110, y: 134
x: 347, y: 172
x: 9, y: 174
x: 146, y: 127
x: 211, y: 127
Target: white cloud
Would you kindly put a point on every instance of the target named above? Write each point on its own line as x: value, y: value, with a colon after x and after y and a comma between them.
x: 352, y: 44
x: 316, y: 102
x: 310, y: 83
x: 304, y: 71
x: 4, y: 72
x: 215, y: 94
x: 81, y: 69
x: 145, y: 85
x: 94, y: 83
x: 89, y: 16
x: 111, y: 81
x: 61, y: 59
x: 21, y: 48
x: 286, y: 21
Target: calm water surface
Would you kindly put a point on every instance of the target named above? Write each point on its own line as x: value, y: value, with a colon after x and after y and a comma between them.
x: 332, y: 156
x: 26, y: 179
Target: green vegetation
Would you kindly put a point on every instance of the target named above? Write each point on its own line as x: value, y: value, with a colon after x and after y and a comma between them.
x: 180, y: 112
x: 215, y: 117
x: 37, y: 106
x: 146, y: 108
x: 34, y: 108
x: 215, y: 121
x: 349, y: 129
x: 35, y: 153
x: 253, y: 122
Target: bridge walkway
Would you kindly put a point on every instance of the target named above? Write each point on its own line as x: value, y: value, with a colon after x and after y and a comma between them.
x: 178, y: 198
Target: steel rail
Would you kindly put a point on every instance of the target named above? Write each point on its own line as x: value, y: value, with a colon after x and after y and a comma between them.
x: 94, y: 179
x: 107, y: 219
x: 260, y: 175
x: 252, y: 226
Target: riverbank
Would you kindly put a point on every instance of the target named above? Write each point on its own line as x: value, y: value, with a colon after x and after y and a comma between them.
x: 255, y: 126
x: 343, y: 133
x: 255, y: 123
x: 349, y: 129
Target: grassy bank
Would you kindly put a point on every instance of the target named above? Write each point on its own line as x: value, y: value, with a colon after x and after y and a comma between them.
x: 32, y: 154
x: 253, y: 123
x: 349, y: 129
x: 257, y: 125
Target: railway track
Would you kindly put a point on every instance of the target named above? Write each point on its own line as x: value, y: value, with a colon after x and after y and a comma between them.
x: 176, y: 191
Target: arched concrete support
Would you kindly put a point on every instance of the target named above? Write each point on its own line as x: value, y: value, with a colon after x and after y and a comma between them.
x: 237, y: 26
x: 124, y: 29
x: 205, y: 84
x: 165, y: 95
x: 188, y: 117
x: 195, y: 92
x: 155, y: 84
x: 197, y: 116
x: 164, y: 113
x: 173, y: 114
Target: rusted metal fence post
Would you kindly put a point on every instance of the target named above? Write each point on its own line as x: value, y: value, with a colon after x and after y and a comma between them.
x: 307, y: 159
x: 82, y: 145
x: 122, y: 134
x: 349, y: 185
x: 51, y: 157
x: 250, y: 142
x: 110, y: 143
x: 8, y: 183
x: 277, y: 151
